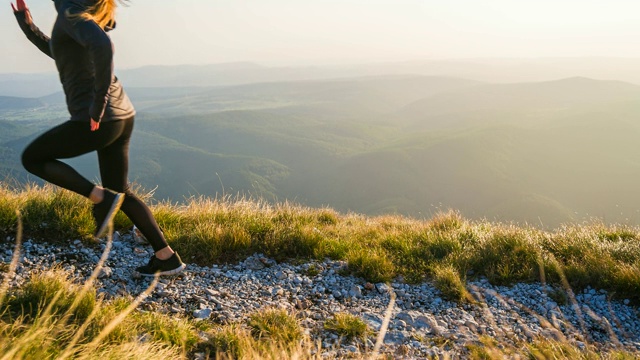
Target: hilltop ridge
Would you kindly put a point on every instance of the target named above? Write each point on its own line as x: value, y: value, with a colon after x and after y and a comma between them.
x: 403, y: 144
x: 448, y: 273
x: 234, y: 73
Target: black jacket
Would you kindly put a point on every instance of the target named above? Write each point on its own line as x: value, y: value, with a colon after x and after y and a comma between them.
x: 83, y: 53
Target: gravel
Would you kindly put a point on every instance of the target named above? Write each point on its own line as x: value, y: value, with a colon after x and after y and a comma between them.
x: 423, y: 323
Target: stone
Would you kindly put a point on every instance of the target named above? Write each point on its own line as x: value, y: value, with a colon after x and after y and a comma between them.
x: 231, y: 292
x: 400, y: 324
x: 369, y: 286
x: 337, y: 294
x: 382, y: 288
x: 472, y: 325
x: 140, y: 252
x: 351, y: 349
x: 105, y: 272
x: 406, y: 317
x: 211, y: 292
x: 394, y: 338
x: 303, y: 304
x: 423, y: 322
x: 355, y: 291
x: 202, y: 313
x: 254, y: 264
x: 117, y: 244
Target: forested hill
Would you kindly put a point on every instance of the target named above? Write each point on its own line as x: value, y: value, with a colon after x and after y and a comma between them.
x: 538, y: 152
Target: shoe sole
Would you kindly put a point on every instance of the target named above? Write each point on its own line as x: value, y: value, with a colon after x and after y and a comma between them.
x: 164, y: 273
x: 115, y: 206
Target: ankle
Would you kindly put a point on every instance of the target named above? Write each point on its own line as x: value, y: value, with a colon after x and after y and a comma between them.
x: 164, y: 253
x: 97, y: 194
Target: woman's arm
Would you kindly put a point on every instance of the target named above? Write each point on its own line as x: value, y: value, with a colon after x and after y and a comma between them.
x: 39, y: 39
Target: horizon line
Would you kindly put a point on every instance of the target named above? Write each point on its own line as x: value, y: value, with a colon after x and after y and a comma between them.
x: 336, y: 64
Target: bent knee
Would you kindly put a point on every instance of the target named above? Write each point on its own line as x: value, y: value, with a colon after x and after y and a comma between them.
x: 29, y: 160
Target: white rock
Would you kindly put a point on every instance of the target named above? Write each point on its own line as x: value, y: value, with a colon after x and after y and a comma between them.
x: 355, y: 291
x: 202, y: 313
x: 382, y: 288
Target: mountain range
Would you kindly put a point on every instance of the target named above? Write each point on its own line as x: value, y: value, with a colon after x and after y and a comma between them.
x: 493, y: 70
x: 542, y: 152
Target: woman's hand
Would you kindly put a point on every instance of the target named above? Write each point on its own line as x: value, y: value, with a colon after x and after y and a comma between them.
x: 22, y: 6
x: 94, y: 125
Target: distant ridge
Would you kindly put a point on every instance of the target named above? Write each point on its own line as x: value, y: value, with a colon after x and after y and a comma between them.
x: 236, y: 73
x: 543, y: 152
x: 14, y: 103
x: 522, y: 97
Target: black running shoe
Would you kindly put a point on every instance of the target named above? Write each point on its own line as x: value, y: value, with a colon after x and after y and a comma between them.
x: 105, y: 211
x: 171, y: 266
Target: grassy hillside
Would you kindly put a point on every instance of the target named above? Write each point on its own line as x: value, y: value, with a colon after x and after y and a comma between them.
x: 497, y: 171
x: 446, y: 250
x: 377, y: 249
x: 542, y: 153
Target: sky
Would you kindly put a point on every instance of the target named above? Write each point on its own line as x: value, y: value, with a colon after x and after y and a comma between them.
x: 320, y: 32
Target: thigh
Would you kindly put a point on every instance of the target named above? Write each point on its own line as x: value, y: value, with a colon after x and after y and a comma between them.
x: 114, y: 160
x: 71, y: 139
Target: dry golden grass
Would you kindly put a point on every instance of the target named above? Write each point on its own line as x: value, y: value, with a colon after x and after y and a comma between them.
x: 71, y: 322
x: 207, y: 231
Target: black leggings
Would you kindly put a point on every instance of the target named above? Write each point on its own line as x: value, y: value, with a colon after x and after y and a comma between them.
x: 111, y: 141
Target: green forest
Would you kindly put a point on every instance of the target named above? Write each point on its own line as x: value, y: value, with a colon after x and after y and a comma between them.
x: 543, y: 153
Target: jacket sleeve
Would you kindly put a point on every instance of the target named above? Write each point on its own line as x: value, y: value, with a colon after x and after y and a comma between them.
x: 37, y: 37
x: 98, y: 44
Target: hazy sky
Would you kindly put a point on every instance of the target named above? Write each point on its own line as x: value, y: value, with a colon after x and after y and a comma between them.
x: 275, y: 32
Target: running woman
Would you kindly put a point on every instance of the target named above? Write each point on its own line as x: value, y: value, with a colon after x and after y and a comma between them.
x: 101, y: 120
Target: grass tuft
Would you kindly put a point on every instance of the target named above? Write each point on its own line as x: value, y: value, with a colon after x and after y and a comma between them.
x: 348, y: 326
x: 446, y: 221
x: 275, y: 325
x: 373, y: 266
x: 231, y: 341
x: 51, y: 329
x: 51, y: 288
x: 447, y: 279
x: 507, y: 255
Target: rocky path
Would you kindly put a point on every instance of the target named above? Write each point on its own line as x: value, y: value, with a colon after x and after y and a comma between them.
x: 423, y: 324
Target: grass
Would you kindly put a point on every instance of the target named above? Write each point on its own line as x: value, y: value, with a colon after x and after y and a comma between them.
x: 275, y: 325
x: 53, y: 316
x: 111, y: 330
x: 53, y: 288
x: 348, y: 326
x: 444, y: 249
x: 540, y: 349
x: 447, y: 279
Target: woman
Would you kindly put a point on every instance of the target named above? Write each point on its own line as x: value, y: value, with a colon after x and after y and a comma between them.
x: 101, y: 120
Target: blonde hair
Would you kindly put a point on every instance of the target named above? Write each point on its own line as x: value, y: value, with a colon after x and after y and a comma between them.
x: 103, y: 12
